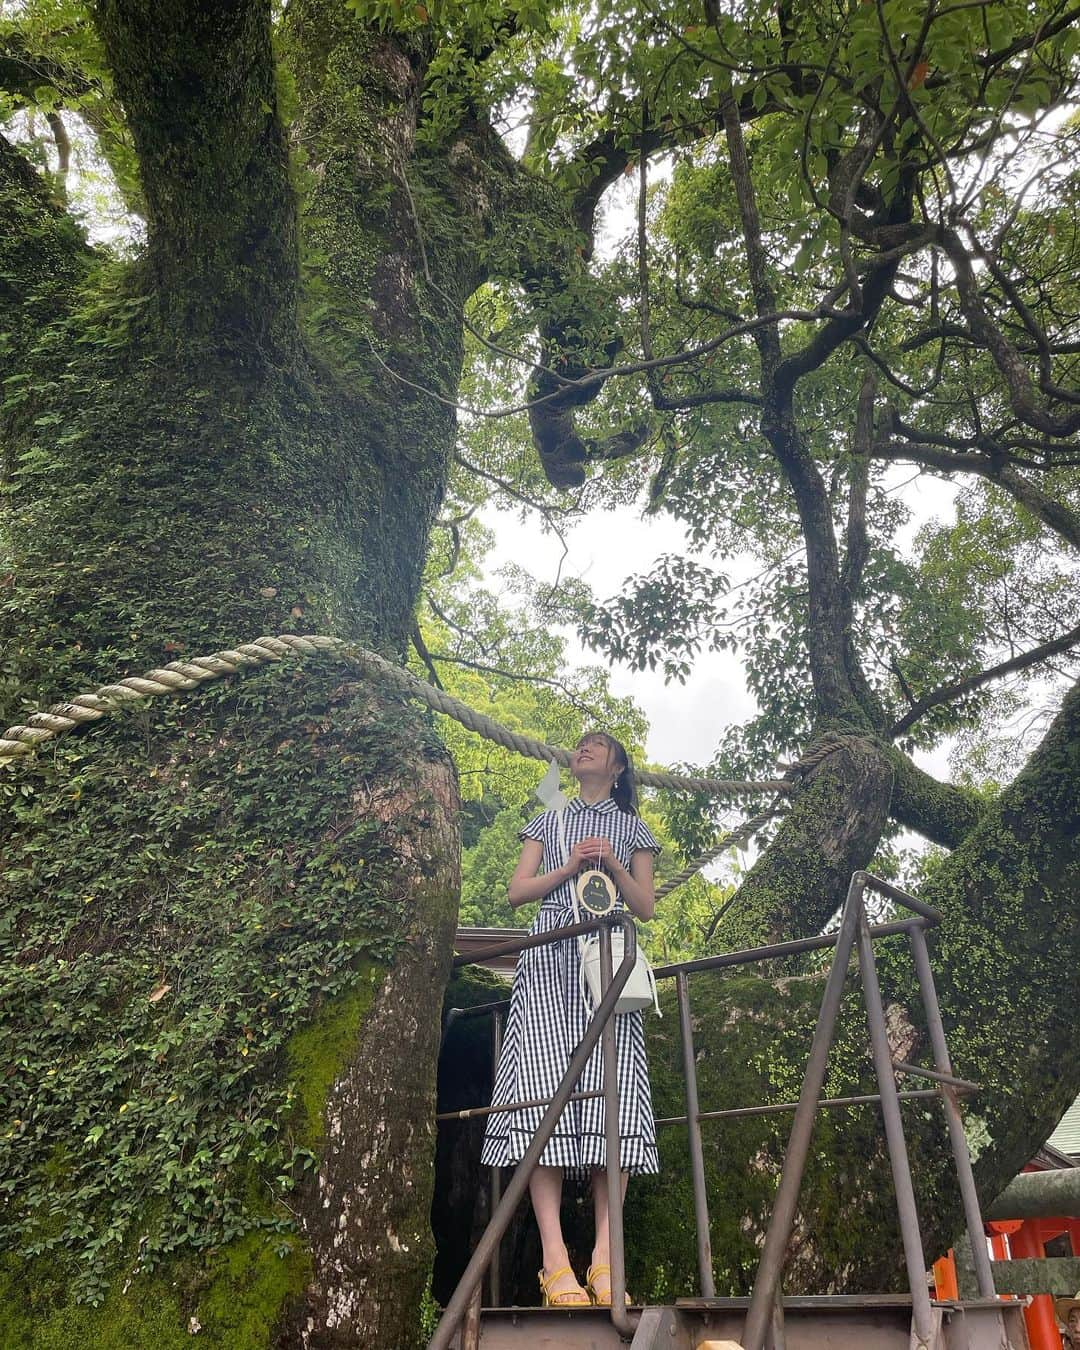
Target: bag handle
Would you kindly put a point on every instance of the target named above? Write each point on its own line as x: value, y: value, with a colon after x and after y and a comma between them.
x: 583, y: 943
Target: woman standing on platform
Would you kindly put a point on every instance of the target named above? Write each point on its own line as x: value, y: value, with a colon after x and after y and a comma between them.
x: 548, y: 1015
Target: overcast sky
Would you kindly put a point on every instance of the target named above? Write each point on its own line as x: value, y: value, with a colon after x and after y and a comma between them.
x: 686, y: 721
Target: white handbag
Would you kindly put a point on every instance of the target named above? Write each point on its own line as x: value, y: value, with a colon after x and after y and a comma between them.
x: 639, y: 991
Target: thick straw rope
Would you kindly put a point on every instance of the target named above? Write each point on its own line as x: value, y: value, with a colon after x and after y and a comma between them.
x: 22, y: 740
x: 737, y: 838
x: 18, y: 741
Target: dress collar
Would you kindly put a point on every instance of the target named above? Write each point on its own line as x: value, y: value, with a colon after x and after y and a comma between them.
x: 608, y: 804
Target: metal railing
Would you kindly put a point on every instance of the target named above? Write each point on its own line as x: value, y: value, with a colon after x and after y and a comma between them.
x: 855, y: 934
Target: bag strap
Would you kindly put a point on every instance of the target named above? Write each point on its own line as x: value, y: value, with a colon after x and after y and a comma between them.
x: 582, y: 942
x: 561, y: 816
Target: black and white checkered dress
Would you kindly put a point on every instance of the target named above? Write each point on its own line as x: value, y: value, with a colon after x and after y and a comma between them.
x: 548, y: 1017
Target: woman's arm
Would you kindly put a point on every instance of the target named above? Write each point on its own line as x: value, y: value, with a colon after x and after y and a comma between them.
x: 526, y: 886
x: 636, y: 882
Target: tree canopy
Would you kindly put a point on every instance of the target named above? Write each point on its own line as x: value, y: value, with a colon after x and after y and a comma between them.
x: 369, y: 273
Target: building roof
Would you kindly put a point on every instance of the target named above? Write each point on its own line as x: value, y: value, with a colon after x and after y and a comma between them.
x: 1066, y: 1138
x: 469, y: 941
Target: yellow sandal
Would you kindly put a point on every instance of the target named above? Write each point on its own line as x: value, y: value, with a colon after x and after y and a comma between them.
x: 601, y: 1301
x: 566, y: 1298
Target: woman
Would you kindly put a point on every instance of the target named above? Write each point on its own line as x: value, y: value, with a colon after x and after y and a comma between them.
x: 548, y: 1015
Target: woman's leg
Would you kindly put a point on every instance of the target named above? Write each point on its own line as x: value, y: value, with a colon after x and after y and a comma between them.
x: 601, y: 1255
x: 545, y: 1190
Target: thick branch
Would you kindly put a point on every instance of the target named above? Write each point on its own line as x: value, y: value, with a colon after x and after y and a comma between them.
x: 197, y: 83
x: 958, y: 688
x: 858, y: 543
x: 605, y: 159
x: 938, y: 811
x: 1055, y: 514
x: 812, y: 356
x: 832, y: 829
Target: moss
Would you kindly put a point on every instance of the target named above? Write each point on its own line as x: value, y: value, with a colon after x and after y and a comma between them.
x: 237, y: 1294
x: 236, y: 1298
x: 317, y: 1053
x: 250, y: 888
x: 37, y: 1315
x: 797, y: 884
x: 252, y: 1281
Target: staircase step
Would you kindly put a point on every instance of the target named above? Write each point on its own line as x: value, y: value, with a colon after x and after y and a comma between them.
x: 875, y: 1322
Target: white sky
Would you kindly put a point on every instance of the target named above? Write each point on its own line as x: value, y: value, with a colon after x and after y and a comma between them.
x: 686, y: 721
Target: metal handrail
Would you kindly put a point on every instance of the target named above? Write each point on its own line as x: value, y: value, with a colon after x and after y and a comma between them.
x: 600, y: 1024
x: 854, y: 932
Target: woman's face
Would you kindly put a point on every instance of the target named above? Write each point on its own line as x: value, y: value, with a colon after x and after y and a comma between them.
x: 1072, y: 1322
x: 594, y: 756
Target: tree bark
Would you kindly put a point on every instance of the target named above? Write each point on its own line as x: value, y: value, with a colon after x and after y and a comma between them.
x: 832, y: 829
x: 196, y: 469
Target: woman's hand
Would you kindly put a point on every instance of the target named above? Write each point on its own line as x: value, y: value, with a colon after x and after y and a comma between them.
x: 595, y: 851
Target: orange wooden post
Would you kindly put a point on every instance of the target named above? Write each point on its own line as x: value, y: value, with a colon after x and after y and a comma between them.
x: 1039, y: 1314
x: 999, y: 1230
x: 946, y: 1285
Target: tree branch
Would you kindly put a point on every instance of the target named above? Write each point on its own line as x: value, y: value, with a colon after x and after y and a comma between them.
x: 1018, y: 382
x: 839, y: 684
x: 946, y: 693
x: 938, y: 811
x: 63, y: 152
x: 1058, y: 517
x: 547, y: 680
x: 858, y: 545
x: 198, y: 86
x: 420, y: 647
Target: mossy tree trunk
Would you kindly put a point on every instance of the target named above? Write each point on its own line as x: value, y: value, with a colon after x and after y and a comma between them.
x: 216, y: 441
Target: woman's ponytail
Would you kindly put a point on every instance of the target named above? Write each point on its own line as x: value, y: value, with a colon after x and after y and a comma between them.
x: 624, y: 791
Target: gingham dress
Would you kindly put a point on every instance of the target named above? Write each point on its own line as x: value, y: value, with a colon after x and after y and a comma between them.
x: 548, y: 1017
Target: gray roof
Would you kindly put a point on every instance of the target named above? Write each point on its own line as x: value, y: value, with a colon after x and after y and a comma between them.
x: 1067, y: 1135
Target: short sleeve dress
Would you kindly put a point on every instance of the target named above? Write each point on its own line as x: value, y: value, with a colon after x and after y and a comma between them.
x: 547, y: 1020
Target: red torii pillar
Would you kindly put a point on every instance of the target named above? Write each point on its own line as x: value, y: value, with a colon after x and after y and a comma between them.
x: 1023, y: 1239
x: 1030, y: 1240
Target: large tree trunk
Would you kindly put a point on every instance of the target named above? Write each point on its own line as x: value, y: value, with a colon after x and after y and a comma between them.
x: 187, y: 471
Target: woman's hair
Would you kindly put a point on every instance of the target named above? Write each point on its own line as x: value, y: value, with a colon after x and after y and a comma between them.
x: 624, y: 792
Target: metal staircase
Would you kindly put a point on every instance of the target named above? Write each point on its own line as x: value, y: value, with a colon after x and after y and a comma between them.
x: 765, y: 1321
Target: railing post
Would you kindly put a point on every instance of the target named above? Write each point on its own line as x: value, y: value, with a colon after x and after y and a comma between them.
x: 470, y: 1326
x: 767, y: 1280
x: 921, y: 1313
x: 609, y: 1049
x: 693, y: 1125
x: 961, y: 1156
x: 495, y: 1270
